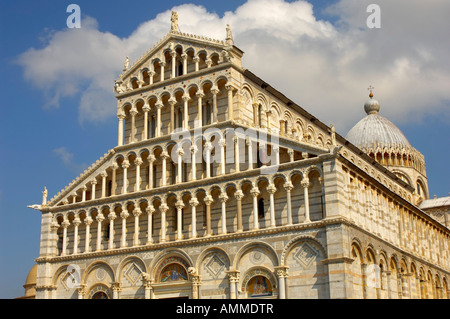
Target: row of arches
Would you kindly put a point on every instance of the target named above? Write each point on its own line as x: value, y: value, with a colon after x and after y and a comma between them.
x: 379, y: 213
x: 260, y: 111
x: 256, y: 270
x: 173, y: 61
x: 243, y: 205
x: 379, y: 275
x: 162, y: 113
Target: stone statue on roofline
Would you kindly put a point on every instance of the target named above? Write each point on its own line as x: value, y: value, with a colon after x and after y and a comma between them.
x: 174, y: 20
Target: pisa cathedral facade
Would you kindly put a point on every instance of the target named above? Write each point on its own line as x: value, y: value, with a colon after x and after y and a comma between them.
x: 221, y: 187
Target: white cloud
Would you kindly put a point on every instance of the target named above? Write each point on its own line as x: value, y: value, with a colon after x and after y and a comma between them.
x: 323, y: 67
x: 67, y: 158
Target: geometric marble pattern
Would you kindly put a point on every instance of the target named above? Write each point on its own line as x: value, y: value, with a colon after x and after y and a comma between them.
x: 133, y: 274
x: 305, y: 255
x: 215, y: 265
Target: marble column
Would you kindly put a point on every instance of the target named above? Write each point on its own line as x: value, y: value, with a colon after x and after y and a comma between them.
x: 289, y: 187
x: 186, y: 99
x: 125, y: 166
x: 76, y: 222
x: 223, y: 199
x: 305, y: 184
x: 100, y: 218
x: 65, y: 224
x: 121, y: 118
x: 146, y: 109
x: 104, y: 176
x: 230, y: 102
x: 239, y: 195
x: 150, y: 211
x: 163, y: 209
x: 88, y: 222
x: 138, y: 162
x: 136, y: 212
x: 255, y: 193
x: 208, y: 201
x: 200, y: 96
x: 271, y: 189
x: 124, y: 215
x: 194, y: 203
x: 133, y: 113
x: 179, y: 205
x: 194, y: 150
x: 111, y: 218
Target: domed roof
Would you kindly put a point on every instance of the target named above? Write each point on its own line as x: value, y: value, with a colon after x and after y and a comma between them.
x: 376, y: 131
x: 32, y: 276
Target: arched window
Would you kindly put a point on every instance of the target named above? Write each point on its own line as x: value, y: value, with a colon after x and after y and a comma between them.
x: 207, y: 113
x: 259, y: 115
x: 180, y: 69
x: 261, y: 212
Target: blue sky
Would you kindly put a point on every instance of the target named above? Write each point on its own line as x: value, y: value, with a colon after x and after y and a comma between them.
x: 56, y: 120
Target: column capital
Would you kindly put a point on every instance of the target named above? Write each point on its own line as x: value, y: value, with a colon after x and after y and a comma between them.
x: 215, y: 90
x: 115, y: 166
x: 230, y: 87
x: 186, y: 98
x: 194, y: 149
x: 151, y: 158
x: 150, y: 209
x: 305, y: 183
x: 164, y: 156
x: 116, y: 286
x: 282, y: 271
x: 164, y: 208
x: 159, y: 105
x: 208, y: 146
x: 134, y: 111
x: 88, y: 221
x: 94, y: 182
x: 137, y: 212
x: 233, y: 275
x: 121, y: 116
x: 200, y: 94
x: 179, y: 204
x: 194, y: 202
x: 288, y: 186
x: 172, y: 101
x: 223, y: 197
x: 146, y: 107
x: 65, y: 223
x: 180, y: 151
x: 76, y: 221
x: 112, y: 216
x: 255, y: 192
x: 196, y: 59
x: 239, y: 195
x: 271, y: 189
x: 138, y: 161
x: 208, y: 200
x: 100, y: 218
x: 125, y: 164
x: 104, y: 174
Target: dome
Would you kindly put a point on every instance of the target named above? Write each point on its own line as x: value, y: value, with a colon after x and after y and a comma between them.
x: 30, y: 284
x: 32, y: 276
x: 376, y: 131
